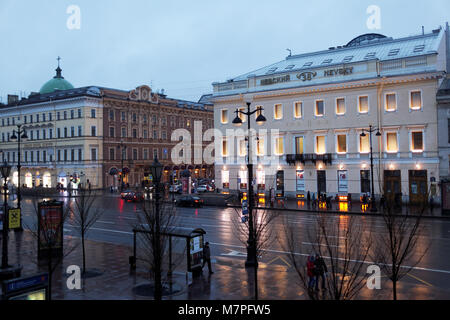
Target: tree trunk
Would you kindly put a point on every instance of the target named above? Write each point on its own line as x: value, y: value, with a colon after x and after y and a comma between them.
x: 394, y: 289
x: 84, y: 252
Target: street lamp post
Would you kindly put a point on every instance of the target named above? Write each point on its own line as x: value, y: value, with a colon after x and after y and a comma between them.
x: 21, y: 135
x: 156, y: 170
x: 6, y: 271
x: 252, y: 260
x: 121, y: 147
x: 373, y: 207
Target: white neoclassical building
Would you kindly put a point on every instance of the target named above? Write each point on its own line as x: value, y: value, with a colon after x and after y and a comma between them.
x: 318, y: 104
x: 64, y: 128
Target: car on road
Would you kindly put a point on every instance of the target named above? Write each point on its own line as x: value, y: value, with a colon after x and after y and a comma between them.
x: 134, y: 197
x: 189, y: 201
x: 176, y: 188
x: 124, y: 193
x: 202, y: 188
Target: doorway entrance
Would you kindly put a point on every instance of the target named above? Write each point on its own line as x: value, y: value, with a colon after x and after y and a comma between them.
x: 392, y: 184
x: 418, y: 187
x: 321, y: 181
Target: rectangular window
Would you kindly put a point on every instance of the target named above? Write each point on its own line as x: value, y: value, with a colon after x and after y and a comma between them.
x: 134, y: 117
x: 340, y: 106
x: 298, y: 145
x: 65, y: 155
x: 135, y: 154
x: 279, y: 146
x: 417, y: 141
x: 37, y: 135
x: 298, y: 110
x: 391, y: 102
x: 145, y: 154
x: 260, y: 147
x: 94, y: 154
x: 80, y: 131
x: 145, y: 134
x: 79, y: 113
x: 165, y: 154
x: 365, y: 181
x: 111, y: 132
x: 58, y: 133
x: 112, y: 154
x: 93, y: 131
x: 164, y: 135
x: 50, y: 116
x: 320, y: 145
x: 155, y: 134
x: 65, y: 132
x: 364, y: 144
x: 43, y: 117
x: 44, y: 136
x: 72, y: 155
x: 415, y: 100
x: 259, y: 111
x: 144, y: 117
x: 242, y: 147
x: 59, y: 155
x: 72, y: 131
x: 278, y: 112
x: 134, y: 133
x: 342, y: 143
x: 224, y: 116
x: 50, y: 133
x: 37, y: 119
x: 80, y: 155
x: 58, y: 115
x: 224, y: 147
x: 391, y: 142
x: 65, y: 115
x: 111, y: 114
x: 319, y: 112
x: 72, y: 114
x: 242, y: 116
x: 124, y: 132
x: 93, y: 113
x: 363, y: 104
x: 123, y: 116
x: 38, y: 156
x: 155, y: 153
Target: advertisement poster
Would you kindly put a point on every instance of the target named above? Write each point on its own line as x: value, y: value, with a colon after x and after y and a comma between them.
x: 300, y: 180
x: 342, y: 181
x: 196, y: 249
x: 50, y: 225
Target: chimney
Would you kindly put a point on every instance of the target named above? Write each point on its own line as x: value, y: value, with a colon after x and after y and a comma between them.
x: 12, y: 98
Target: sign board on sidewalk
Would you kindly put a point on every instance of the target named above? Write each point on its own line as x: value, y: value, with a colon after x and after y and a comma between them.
x: 27, y: 288
x: 14, y: 218
x: 196, y: 251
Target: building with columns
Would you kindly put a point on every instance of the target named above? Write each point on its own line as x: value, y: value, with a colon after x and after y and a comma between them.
x: 318, y: 104
x: 74, y: 134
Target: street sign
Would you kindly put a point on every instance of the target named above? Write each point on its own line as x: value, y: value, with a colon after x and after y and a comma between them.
x: 26, y: 288
x: 244, y: 207
x: 14, y: 218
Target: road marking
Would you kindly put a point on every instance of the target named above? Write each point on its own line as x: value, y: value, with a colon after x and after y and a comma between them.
x: 234, y: 253
x: 418, y: 279
x: 325, y: 257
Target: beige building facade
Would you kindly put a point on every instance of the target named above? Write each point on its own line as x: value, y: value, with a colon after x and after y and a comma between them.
x: 318, y: 104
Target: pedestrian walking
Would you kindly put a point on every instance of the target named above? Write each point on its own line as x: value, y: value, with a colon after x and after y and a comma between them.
x: 320, y: 269
x: 310, y: 272
x: 207, y: 257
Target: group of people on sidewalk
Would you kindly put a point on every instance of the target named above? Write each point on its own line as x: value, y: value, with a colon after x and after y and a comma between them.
x: 316, y: 270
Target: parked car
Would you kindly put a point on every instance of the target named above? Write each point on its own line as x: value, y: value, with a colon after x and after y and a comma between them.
x: 176, y: 188
x: 134, y: 197
x: 123, y: 194
x: 202, y: 188
x: 189, y: 201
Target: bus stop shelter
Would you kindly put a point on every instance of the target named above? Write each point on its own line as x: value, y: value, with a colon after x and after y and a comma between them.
x: 194, y: 239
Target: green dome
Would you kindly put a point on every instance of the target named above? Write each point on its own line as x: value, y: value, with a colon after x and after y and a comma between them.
x: 57, y: 83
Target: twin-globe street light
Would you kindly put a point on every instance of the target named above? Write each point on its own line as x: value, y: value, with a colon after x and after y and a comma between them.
x: 371, y: 130
x: 251, y: 247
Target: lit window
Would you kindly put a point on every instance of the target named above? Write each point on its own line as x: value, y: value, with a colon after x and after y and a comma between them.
x: 224, y: 147
x: 278, y: 112
x: 363, y: 104
x: 340, y: 106
x: 298, y: 110
x: 342, y: 143
x: 260, y: 147
x: 224, y: 116
x: 242, y: 116
x: 298, y: 145
x: 279, y: 146
x: 259, y: 111
x: 320, y: 145
x: 417, y: 141
x: 415, y: 100
x: 391, y: 142
x: 364, y: 146
x: 319, y: 108
x: 391, y: 102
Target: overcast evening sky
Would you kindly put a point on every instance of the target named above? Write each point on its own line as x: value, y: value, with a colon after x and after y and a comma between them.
x: 183, y: 46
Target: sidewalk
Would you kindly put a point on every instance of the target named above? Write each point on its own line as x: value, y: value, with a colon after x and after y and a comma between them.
x: 231, y: 281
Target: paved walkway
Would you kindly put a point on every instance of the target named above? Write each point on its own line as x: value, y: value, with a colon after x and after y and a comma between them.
x: 231, y: 281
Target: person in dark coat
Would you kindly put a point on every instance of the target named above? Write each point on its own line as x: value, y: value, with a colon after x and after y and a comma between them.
x: 207, y: 257
x: 320, y: 269
x: 310, y: 270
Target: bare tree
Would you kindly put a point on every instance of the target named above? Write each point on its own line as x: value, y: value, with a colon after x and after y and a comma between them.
x: 42, y: 230
x: 158, y: 221
x: 342, y: 243
x: 396, y: 248
x: 84, y: 215
x: 263, y: 234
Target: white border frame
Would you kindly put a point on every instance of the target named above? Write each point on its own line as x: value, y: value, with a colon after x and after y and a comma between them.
x: 358, y: 104
x: 385, y: 101
x: 385, y: 133
x: 301, y: 109
x: 274, y: 107
x: 315, y: 108
x: 410, y: 100
x: 410, y: 132
x: 315, y: 143
x: 336, y: 106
